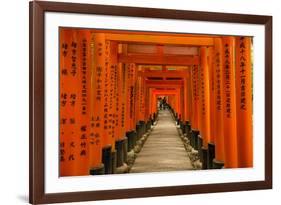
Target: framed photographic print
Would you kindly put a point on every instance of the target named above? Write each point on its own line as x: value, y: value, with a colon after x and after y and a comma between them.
x: 138, y: 102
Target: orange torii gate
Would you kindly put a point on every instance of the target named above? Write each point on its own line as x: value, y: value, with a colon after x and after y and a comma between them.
x: 113, y: 99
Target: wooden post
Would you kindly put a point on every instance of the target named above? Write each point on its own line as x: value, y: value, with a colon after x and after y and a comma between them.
x: 211, y: 144
x: 195, y: 98
x: 229, y: 103
x: 106, y: 96
x: 84, y: 100
x: 112, y: 65
x: 68, y: 102
x: 204, y: 103
x: 98, y: 92
x: 212, y: 93
x: 127, y: 82
x: 132, y: 67
x: 189, y: 96
x: 118, y: 102
x: 244, y: 102
x: 219, y: 124
x: 142, y: 100
x: 76, y: 103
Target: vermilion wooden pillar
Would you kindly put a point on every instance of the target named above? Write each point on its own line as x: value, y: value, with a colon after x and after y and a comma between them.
x: 204, y: 106
x: 244, y: 101
x: 127, y: 100
x: 123, y: 91
x: 177, y: 101
x: 212, y: 93
x: 84, y: 100
x: 142, y: 100
x: 204, y: 102
x: 229, y: 103
x: 119, y: 103
x: 195, y: 98
x: 150, y: 101
x: 132, y: 67
x: 189, y: 95
x: 146, y: 101
x: 219, y: 123
x: 106, y: 96
x: 112, y: 65
x: 68, y: 102
x: 139, y: 99
x: 75, y: 102
x: 98, y: 92
x: 211, y: 144
x: 153, y: 102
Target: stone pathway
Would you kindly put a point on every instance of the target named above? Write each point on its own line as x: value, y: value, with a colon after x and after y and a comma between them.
x: 163, y: 150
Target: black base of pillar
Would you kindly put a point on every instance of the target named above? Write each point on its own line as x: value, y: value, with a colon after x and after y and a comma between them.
x: 97, y: 170
x: 132, y: 139
x: 187, y: 128
x: 113, y: 161
x: 138, y: 130
x: 119, y: 146
x: 189, y: 136
x: 211, y: 155
x: 148, y: 125
x: 194, y: 139
x: 107, y: 159
x: 154, y: 117
x: 134, y: 133
x: 143, y: 128
x: 125, y: 149
x: 189, y: 131
x: 204, y: 158
x: 217, y: 164
x: 182, y: 127
x: 199, y: 147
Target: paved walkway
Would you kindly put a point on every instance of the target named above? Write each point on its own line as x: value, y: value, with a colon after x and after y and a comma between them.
x: 163, y: 150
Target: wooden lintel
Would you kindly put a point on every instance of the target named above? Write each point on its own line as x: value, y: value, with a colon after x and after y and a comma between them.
x: 164, y: 82
x: 167, y: 74
x: 163, y: 86
x: 159, y: 60
x: 161, y: 39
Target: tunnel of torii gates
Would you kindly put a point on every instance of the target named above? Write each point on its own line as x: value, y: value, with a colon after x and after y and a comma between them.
x: 110, y: 82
